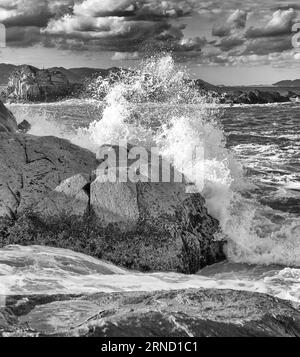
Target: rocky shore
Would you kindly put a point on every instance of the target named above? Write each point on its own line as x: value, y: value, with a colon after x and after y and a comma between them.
x: 181, y: 313
x: 56, y: 292
x: 52, y: 195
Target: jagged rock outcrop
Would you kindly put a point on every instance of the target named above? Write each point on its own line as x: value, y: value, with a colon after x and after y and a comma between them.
x: 28, y: 83
x: 8, y: 123
x: 253, y: 97
x: 31, y: 167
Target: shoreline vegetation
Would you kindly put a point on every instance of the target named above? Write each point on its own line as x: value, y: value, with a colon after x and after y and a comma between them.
x: 28, y: 84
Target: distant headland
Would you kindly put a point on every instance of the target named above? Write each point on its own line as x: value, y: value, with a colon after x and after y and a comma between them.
x: 27, y: 83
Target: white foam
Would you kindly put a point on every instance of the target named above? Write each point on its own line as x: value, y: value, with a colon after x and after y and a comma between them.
x: 43, y: 270
x: 181, y: 119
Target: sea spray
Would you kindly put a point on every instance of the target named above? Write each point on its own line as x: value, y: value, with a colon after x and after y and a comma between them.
x: 156, y: 106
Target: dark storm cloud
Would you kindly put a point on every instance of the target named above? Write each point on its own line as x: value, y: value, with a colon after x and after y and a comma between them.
x: 113, y: 25
x: 123, y: 25
x: 23, y: 36
x: 228, y: 43
x: 34, y: 12
x: 134, y: 27
x: 39, y: 20
x: 264, y: 46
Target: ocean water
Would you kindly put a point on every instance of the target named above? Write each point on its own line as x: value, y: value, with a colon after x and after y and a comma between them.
x: 251, y: 164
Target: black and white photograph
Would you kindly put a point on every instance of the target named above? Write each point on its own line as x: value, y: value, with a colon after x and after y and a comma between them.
x: 149, y: 171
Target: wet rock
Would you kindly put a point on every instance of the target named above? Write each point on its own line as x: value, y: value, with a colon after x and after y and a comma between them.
x: 47, y: 291
x: 148, y: 226
x: 24, y: 127
x: 157, y: 225
x: 71, y: 197
x: 8, y: 123
x: 181, y: 313
x: 31, y: 167
x: 255, y: 97
x: 115, y: 203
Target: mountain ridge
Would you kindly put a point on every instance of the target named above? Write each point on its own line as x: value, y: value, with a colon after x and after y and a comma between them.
x: 288, y: 83
x: 74, y: 75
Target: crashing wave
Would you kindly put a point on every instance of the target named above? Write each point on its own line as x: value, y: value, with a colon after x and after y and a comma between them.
x: 155, y: 106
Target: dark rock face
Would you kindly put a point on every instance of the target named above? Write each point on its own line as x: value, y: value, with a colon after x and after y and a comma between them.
x: 254, y: 97
x: 32, y: 84
x: 24, y: 127
x: 31, y: 167
x: 183, y: 313
x: 147, y: 226
x: 8, y: 123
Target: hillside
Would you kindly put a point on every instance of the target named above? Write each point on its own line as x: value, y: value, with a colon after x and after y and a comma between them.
x: 74, y: 75
x: 5, y: 72
x: 288, y: 83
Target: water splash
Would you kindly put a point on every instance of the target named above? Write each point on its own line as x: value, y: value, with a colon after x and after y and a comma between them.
x: 156, y: 106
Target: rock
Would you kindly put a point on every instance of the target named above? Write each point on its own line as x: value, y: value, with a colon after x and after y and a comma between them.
x: 24, y: 127
x: 71, y: 197
x: 57, y: 292
x: 8, y: 123
x: 183, y: 313
x: 143, y: 226
x: 115, y: 203
x: 31, y: 167
x: 32, y: 84
x: 253, y: 97
x: 160, y: 225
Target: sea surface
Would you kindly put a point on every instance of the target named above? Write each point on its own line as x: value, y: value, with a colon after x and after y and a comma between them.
x: 251, y: 167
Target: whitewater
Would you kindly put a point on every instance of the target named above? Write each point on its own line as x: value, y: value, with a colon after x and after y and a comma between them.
x: 251, y: 168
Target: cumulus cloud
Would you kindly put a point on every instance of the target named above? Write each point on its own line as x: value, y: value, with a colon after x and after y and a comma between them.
x: 280, y: 23
x: 236, y: 20
x: 123, y: 25
x: 96, y: 25
x: 130, y: 28
x: 258, y: 45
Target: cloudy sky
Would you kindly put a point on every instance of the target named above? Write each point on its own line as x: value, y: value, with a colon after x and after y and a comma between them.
x: 221, y: 41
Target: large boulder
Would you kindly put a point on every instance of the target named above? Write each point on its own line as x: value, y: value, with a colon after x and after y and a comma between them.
x: 8, y: 123
x: 31, y: 167
x: 71, y: 197
x: 32, y: 84
x: 142, y: 225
